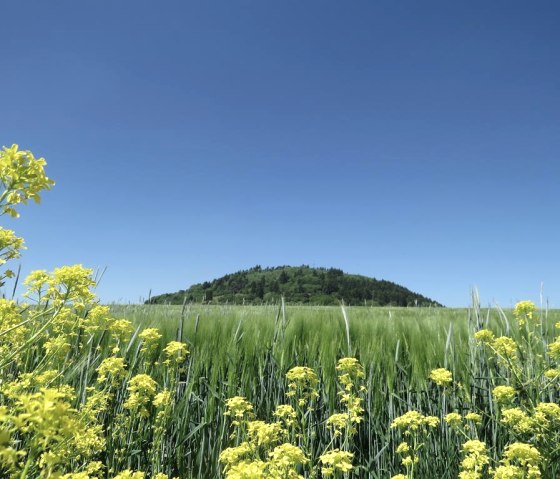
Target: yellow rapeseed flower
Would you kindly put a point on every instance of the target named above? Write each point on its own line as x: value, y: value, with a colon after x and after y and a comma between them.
x: 484, y: 336
x: 517, y: 419
x: 453, y: 419
x: 150, y: 340
x: 286, y: 413
x: 287, y: 455
x: 239, y: 409
x: 505, y: 347
x: 350, y: 371
x: 128, y: 474
x: 121, y: 329
x: 412, y: 421
x: 503, y: 394
x: 403, y: 448
x: 441, y: 376
x: 475, y: 459
x: 176, y: 352
x: 474, y: 417
x: 524, y: 457
x: 552, y: 374
x: 162, y: 399
x: 248, y: 470
x: 302, y: 385
x: 338, y: 422
x: 524, y: 311
x: 142, y: 389
x: 263, y: 433
x: 113, y: 368
x: 23, y: 177
x: 336, y: 461
x: 233, y: 455
x: 554, y: 349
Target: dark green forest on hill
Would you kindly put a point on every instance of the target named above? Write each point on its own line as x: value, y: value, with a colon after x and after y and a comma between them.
x: 298, y: 285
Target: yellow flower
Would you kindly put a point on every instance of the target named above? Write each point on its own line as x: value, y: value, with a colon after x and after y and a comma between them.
x: 552, y: 374
x: 403, y: 448
x: 285, y: 413
x: 474, y: 417
x: 233, y: 455
x: 453, y: 419
x: 128, y: 474
x: 57, y: 347
x: 546, y: 411
x: 10, y: 246
x: 484, y: 336
x: 524, y: 455
x: 517, y: 419
x: 408, y: 461
x: 248, y: 470
x: 336, y: 461
x: 474, y: 460
x: 338, y: 422
x: 72, y: 284
x: 37, y: 283
x: 505, y: 347
x: 474, y: 447
x: 523, y: 311
x: 24, y: 178
x: 554, y: 349
x: 150, y: 340
x: 142, y: 389
x: 349, y: 372
x: 287, y: 455
x: 239, y: 409
x: 441, y: 376
x: 431, y: 421
x: 121, y: 329
x: 162, y: 399
x: 503, y: 394
x: 176, y: 351
x: 302, y: 384
x: 98, y: 319
x: 413, y: 421
x: 161, y: 475
x: 111, y: 367
x: 262, y: 433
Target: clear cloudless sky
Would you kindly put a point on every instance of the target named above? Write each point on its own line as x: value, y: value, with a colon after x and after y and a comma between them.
x: 411, y: 141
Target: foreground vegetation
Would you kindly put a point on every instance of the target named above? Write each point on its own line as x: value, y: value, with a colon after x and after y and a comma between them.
x: 133, y: 392
x: 399, y: 348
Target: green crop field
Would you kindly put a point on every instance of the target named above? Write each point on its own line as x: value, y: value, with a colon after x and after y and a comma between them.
x: 247, y: 350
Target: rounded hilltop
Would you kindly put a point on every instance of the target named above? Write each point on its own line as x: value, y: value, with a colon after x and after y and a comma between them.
x: 297, y: 284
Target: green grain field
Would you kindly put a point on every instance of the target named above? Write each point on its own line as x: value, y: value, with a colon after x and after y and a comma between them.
x: 247, y: 350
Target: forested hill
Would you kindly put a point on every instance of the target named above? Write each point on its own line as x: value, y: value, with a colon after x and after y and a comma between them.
x: 298, y: 284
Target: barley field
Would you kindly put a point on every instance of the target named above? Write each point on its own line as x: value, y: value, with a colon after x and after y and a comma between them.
x: 247, y: 350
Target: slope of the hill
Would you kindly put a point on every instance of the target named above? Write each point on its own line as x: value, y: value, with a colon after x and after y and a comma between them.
x: 298, y: 284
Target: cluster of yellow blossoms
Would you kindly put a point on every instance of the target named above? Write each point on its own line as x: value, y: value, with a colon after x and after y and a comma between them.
x: 61, y: 395
x: 441, y: 376
x: 302, y: 384
x: 277, y: 450
x: 529, y: 376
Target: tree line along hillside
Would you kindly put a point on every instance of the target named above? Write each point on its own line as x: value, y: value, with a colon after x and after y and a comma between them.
x: 299, y: 285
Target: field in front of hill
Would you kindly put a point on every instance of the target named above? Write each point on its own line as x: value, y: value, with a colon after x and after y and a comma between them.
x: 390, y: 340
x: 247, y: 350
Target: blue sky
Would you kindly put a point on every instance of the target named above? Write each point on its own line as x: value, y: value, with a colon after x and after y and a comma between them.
x: 411, y: 141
